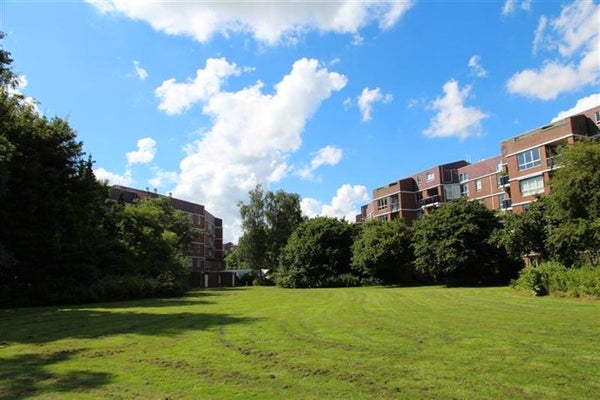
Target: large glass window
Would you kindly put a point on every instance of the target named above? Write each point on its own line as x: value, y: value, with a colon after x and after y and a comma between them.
x: 478, y: 185
x: 382, y: 203
x: 529, y: 159
x: 532, y: 186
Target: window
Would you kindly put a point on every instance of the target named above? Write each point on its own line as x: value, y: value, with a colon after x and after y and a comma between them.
x: 532, y: 186
x: 382, y: 203
x: 463, y: 177
x: 464, y: 189
x: 418, y: 179
x: 478, y: 185
x: 529, y: 159
x: 430, y: 176
x: 382, y: 218
x: 597, y: 114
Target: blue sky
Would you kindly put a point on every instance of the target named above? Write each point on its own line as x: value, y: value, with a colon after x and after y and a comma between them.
x: 325, y: 99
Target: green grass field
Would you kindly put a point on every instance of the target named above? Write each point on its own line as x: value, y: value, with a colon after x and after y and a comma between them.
x: 265, y: 342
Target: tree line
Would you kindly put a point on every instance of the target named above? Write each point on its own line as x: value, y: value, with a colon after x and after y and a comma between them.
x: 460, y: 243
x: 61, y: 239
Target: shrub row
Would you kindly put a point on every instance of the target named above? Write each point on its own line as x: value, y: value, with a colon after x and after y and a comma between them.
x: 555, y: 279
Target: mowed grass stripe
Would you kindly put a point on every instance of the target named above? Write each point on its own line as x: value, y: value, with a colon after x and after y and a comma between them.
x: 425, y: 342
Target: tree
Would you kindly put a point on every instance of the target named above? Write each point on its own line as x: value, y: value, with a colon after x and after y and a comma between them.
x: 383, y: 250
x: 155, y: 237
x: 50, y: 202
x: 317, y: 254
x: 574, y: 205
x: 452, y: 245
x: 525, y: 233
x: 268, y: 220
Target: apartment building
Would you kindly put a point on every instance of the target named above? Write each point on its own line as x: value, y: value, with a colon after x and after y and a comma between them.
x: 206, y: 251
x: 410, y: 198
x: 509, y: 181
x: 531, y: 158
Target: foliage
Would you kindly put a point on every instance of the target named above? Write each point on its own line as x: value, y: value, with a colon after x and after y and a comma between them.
x: 384, y: 251
x: 59, y: 237
x: 268, y: 220
x: 553, y: 278
x: 574, y: 205
x: 316, y: 254
x: 525, y: 233
x: 453, y: 245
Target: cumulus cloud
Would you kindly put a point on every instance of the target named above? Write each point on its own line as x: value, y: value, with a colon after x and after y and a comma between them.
x: 140, y: 72
x: 476, y: 67
x: 367, y: 98
x: 251, y: 138
x: 582, y: 104
x: 113, y: 178
x: 345, y: 204
x: 177, y: 97
x: 146, y: 149
x: 328, y: 155
x: 268, y: 22
x: 163, y: 178
x: 17, y: 91
x: 453, y: 118
x: 573, y: 40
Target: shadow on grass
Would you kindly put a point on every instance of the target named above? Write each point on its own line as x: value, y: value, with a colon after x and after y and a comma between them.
x: 28, y: 375
x: 50, y: 325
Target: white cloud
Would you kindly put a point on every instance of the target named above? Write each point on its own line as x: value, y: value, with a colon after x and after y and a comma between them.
x: 21, y: 83
x: 345, y: 204
x: 476, y: 67
x: 269, y: 22
x: 112, y: 178
x: 328, y: 155
x: 574, y: 40
x: 453, y: 118
x: 509, y: 6
x: 251, y: 138
x: 582, y: 104
x: 141, y: 73
x: 178, y: 97
x: 367, y: 98
x: 146, y: 149
x: 163, y: 178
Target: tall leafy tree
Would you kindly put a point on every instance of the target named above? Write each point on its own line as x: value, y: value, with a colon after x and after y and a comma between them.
x: 383, y: 250
x: 453, y: 245
x: 317, y: 253
x: 574, y: 205
x: 525, y: 233
x: 268, y: 220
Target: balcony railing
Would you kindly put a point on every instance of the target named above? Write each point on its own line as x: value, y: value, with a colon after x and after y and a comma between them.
x: 554, y: 161
x: 428, y: 201
x: 506, y: 204
x: 503, y: 180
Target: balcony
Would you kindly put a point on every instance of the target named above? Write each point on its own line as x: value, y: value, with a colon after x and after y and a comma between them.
x: 506, y: 204
x: 427, y: 201
x: 503, y: 180
x: 554, y: 161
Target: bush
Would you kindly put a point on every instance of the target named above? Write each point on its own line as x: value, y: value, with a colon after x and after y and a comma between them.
x: 555, y: 279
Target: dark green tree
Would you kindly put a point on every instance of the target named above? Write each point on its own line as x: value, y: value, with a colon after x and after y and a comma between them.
x: 574, y: 205
x: 268, y: 220
x: 50, y: 201
x: 317, y: 254
x: 453, y: 245
x: 525, y: 233
x: 383, y: 250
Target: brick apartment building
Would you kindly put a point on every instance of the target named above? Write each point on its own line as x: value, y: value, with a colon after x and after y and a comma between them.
x: 206, y: 252
x: 509, y: 181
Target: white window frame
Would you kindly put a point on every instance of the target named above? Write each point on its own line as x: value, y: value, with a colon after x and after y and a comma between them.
x: 478, y: 185
x: 532, y: 186
x: 430, y: 176
x: 529, y: 159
